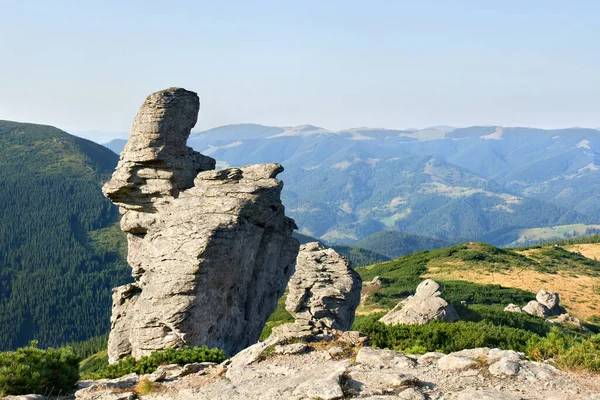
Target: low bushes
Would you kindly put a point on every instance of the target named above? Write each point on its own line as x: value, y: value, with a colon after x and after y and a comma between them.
x: 50, y: 372
x: 573, y: 352
x: 441, y: 336
x: 149, y: 364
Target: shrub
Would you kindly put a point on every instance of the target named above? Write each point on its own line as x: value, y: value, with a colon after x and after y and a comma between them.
x: 149, y: 364
x: 569, y: 351
x: 441, y: 336
x: 32, y: 370
x: 497, y: 316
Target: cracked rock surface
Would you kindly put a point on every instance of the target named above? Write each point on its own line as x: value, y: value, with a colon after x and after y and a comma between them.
x: 211, y: 250
x: 324, y: 291
x: 366, y: 373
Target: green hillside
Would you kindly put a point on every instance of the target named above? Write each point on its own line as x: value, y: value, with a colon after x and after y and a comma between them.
x: 484, y: 275
x: 395, y: 244
x: 56, y: 267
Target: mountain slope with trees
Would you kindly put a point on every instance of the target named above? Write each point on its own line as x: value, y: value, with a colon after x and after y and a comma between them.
x: 56, y: 271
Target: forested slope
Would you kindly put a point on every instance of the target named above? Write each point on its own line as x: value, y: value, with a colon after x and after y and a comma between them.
x: 55, y: 280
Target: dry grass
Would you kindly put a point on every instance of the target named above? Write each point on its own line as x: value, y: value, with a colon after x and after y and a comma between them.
x: 577, y: 293
x: 591, y: 251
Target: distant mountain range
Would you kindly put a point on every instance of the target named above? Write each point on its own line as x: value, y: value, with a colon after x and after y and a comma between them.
x: 482, y: 182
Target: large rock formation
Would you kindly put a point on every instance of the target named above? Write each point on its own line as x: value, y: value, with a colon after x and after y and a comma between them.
x: 324, y: 291
x: 425, y: 306
x: 211, y: 251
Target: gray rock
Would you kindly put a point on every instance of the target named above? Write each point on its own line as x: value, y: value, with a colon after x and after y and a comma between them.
x: 505, y: 367
x: 425, y: 306
x: 295, y: 348
x: 376, y: 281
x: 411, y: 394
x: 368, y: 382
x: 429, y: 358
x: 551, y: 301
x: 109, y: 389
x: 537, y: 309
x: 194, y: 368
x: 473, y: 394
x: 335, y: 351
x: 353, y: 338
x: 383, y: 358
x: 324, y: 291
x: 456, y: 363
x: 24, y: 397
x: 478, y: 353
x: 568, y: 320
x: 495, y: 355
x: 513, y: 308
x: 211, y: 251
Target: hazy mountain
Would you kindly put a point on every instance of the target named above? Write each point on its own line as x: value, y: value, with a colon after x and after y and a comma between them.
x: 116, y: 145
x: 476, y: 182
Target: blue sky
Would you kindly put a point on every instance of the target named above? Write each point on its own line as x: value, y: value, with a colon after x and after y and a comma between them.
x: 83, y: 65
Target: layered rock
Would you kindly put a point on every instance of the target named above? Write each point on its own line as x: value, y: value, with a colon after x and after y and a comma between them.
x: 324, y: 291
x: 425, y: 306
x: 211, y: 250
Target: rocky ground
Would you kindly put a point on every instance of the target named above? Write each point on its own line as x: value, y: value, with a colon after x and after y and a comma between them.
x: 342, y: 368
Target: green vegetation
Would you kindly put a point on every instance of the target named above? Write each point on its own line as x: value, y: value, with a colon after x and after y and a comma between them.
x: 149, y: 364
x: 27, y: 370
x: 90, y: 346
x: 395, y: 244
x: 57, y: 265
x: 572, y: 352
x: 441, y: 336
x: 278, y: 317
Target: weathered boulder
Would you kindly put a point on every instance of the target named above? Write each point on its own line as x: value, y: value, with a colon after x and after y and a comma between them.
x: 425, y: 306
x: 551, y: 301
x: 546, y: 304
x: 537, y: 309
x: 324, y: 291
x: 211, y: 250
x: 513, y: 308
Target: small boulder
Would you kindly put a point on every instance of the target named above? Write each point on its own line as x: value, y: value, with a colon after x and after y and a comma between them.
x: 505, y: 367
x: 375, y: 281
x: 551, y: 301
x: 537, y: 309
x: 513, y: 308
x: 425, y: 306
x: 568, y: 320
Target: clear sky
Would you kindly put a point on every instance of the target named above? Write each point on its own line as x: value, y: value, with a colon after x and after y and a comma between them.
x: 88, y: 65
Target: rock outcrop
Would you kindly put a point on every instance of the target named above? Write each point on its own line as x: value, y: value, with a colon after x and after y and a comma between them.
x: 513, y: 308
x: 546, y: 304
x: 425, y: 306
x: 333, y: 370
x: 211, y: 250
x: 324, y: 291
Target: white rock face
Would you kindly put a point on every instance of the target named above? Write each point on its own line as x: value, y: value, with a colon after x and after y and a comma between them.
x: 425, y: 306
x: 324, y: 291
x: 211, y: 250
